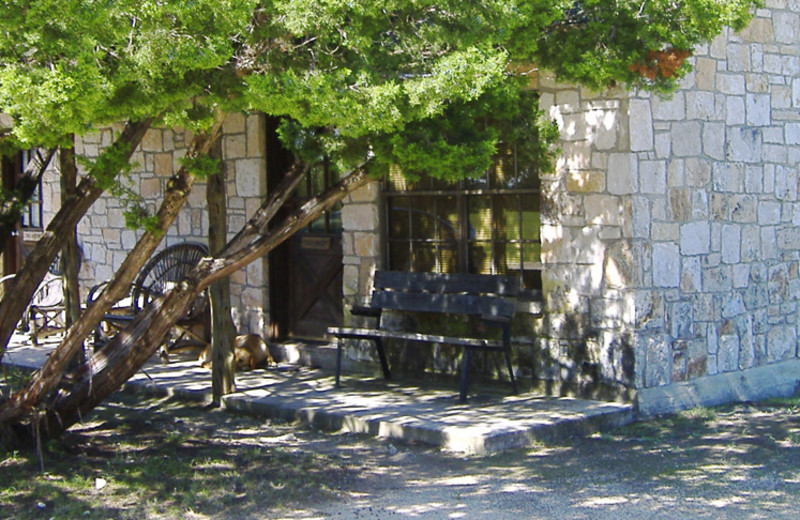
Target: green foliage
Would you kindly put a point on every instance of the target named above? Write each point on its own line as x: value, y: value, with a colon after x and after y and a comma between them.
x: 424, y: 84
x: 201, y: 166
x: 597, y: 41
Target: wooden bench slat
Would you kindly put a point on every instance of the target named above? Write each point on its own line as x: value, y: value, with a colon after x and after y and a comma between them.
x: 489, y: 307
x: 346, y: 332
x: 501, y: 285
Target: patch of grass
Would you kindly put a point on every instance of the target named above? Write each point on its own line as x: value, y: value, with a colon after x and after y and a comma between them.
x: 158, y: 460
x: 690, y: 423
x: 12, y: 379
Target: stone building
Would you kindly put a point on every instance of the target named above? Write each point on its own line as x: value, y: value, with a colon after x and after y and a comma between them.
x: 666, y: 242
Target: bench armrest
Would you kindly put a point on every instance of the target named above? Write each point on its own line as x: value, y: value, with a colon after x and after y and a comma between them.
x: 363, y: 310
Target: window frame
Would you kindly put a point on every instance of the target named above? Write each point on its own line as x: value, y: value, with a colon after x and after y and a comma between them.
x: 465, y: 192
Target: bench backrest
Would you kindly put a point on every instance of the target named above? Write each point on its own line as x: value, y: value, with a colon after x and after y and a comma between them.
x: 489, y: 296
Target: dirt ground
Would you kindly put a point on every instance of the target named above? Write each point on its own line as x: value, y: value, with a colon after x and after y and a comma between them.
x: 151, y: 458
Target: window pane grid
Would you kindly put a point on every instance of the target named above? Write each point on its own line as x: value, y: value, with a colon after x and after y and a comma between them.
x: 486, y: 225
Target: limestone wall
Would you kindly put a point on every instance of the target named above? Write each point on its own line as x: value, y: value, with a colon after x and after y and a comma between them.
x: 587, y: 248
x: 105, y: 240
x: 716, y: 212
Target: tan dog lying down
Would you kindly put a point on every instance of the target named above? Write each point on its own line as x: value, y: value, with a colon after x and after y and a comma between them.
x: 250, y: 350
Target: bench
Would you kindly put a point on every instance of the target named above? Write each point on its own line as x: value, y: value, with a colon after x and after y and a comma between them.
x: 490, y: 298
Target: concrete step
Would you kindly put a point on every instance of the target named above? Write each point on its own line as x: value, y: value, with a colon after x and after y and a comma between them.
x: 404, y: 411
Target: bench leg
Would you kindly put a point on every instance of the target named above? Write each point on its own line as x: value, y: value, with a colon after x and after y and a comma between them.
x: 465, y: 375
x: 382, y: 356
x: 338, y: 360
x: 507, y: 343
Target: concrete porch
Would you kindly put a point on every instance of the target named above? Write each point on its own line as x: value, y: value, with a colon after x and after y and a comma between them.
x: 489, y: 422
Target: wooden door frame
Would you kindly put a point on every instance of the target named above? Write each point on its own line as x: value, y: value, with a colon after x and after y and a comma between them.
x: 278, y: 161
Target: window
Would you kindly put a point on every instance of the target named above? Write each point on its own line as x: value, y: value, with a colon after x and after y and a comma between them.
x: 32, y: 214
x: 487, y: 225
x: 319, y: 178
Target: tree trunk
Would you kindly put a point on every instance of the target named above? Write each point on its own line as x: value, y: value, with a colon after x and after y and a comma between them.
x: 70, y: 259
x: 223, y: 361
x: 110, y: 367
x: 44, y: 380
x: 24, y: 285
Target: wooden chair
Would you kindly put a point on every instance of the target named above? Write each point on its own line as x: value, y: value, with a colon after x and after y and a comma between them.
x: 157, y: 277
x: 46, y: 312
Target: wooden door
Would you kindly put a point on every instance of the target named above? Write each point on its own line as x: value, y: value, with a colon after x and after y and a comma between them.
x: 305, y: 271
x: 315, y: 283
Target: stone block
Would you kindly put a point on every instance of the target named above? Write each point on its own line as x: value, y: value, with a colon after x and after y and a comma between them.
x: 672, y: 109
x: 249, y: 177
x: 641, y: 125
x: 234, y: 123
x: 367, y: 193
x: 602, y: 128
x: 703, y: 106
x: 714, y: 140
x: 743, y: 208
x: 759, y: 30
x: 739, y: 57
x: 695, y: 238
x: 741, y: 276
x: 603, y: 210
x: 680, y: 204
x: 753, y: 247
x: 786, y: 27
x: 705, y: 73
x: 366, y: 244
x: 360, y: 217
x: 658, y: 362
x: 728, y: 177
x: 153, y: 141
x: 586, y: 181
x: 698, y: 172
x: 744, y: 145
x: 652, y: 177
x: 680, y: 320
x: 640, y: 211
x: 734, y: 111
x: 234, y: 146
x: 691, y: 275
x: 759, y: 109
x: 781, y: 343
x: 256, y: 143
x: 718, y: 279
x: 769, y: 213
x: 622, y: 178
x: 162, y: 164
x: 686, y: 140
x: 786, y: 179
x: 666, y: 265
x: 728, y: 353
x: 731, y: 243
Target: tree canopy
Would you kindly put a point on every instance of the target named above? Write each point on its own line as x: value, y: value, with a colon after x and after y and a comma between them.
x: 391, y: 76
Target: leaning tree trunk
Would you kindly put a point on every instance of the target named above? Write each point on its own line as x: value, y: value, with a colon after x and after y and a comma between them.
x: 44, y: 380
x: 24, y: 285
x: 110, y: 367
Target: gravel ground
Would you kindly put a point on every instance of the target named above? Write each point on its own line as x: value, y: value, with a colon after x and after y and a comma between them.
x: 738, y: 462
